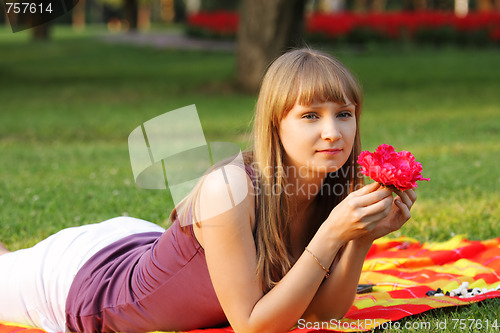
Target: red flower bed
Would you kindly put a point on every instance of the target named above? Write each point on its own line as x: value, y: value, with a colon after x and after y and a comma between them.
x: 214, y: 24
x: 353, y: 27
x: 418, y: 26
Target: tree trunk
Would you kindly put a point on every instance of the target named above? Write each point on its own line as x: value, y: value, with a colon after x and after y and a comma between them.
x: 144, y: 17
x: 360, y: 6
x: 41, y: 32
x: 6, y: 18
x: 131, y: 13
x: 379, y: 5
x: 267, y: 28
x: 420, y: 4
x: 485, y: 5
x: 79, y: 16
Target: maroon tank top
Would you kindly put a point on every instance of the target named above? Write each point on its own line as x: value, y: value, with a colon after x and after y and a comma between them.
x: 146, y: 282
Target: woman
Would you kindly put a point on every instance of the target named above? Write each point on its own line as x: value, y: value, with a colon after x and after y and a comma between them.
x: 291, y: 247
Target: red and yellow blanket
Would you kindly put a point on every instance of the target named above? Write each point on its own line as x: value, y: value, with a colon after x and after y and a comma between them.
x: 403, y: 271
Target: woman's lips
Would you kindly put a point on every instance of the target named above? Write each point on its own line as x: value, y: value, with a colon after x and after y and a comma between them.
x: 329, y: 151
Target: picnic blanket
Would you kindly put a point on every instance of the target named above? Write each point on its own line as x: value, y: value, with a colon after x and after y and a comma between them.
x: 403, y: 271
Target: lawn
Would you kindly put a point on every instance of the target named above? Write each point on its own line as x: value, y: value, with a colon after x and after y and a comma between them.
x: 67, y: 108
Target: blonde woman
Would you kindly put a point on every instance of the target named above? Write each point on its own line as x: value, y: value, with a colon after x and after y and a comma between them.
x: 291, y: 248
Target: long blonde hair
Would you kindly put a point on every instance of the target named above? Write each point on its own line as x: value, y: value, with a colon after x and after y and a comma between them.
x: 302, y: 76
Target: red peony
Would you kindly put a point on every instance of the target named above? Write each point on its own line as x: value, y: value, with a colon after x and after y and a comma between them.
x: 388, y: 167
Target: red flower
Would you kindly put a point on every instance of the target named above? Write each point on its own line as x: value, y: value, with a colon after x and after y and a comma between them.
x: 388, y: 167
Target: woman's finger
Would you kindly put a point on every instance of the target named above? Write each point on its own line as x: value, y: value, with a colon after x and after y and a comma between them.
x: 405, y: 211
x: 372, y: 220
x: 367, y: 189
x: 404, y: 196
x: 374, y: 197
x: 378, y: 210
x: 412, y: 194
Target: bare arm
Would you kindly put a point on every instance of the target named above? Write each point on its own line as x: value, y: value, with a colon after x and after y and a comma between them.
x: 336, y: 294
x: 231, y: 259
x: 342, y: 284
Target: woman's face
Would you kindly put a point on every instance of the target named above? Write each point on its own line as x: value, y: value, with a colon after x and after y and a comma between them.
x: 318, y: 137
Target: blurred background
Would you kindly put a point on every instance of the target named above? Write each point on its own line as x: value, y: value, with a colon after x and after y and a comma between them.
x: 72, y: 89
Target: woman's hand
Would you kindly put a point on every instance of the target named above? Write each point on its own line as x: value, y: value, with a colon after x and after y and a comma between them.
x: 397, y: 217
x: 361, y: 211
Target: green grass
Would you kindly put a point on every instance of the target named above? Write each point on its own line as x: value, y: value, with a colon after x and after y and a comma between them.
x: 67, y: 108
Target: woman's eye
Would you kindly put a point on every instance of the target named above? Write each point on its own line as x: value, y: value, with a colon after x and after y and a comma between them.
x: 344, y: 114
x: 310, y: 116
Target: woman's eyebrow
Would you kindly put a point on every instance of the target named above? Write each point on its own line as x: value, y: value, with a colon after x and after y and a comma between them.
x: 321, y: 106
x: 347, y: 105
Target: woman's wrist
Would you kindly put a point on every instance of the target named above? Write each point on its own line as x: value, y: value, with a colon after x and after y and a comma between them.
x: 332, y: 236
x: 325, y: 244
x: 363, y: 243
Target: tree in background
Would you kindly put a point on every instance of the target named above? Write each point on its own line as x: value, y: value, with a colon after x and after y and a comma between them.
x: 210, y: 5
x: 131, y: 13
x: 41, y: 32
x: 36, y: 22
x: 267, y: 28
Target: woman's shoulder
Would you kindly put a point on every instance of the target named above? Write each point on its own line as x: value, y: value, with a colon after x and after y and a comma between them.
x: 226, y: 198
x: 227, y: 189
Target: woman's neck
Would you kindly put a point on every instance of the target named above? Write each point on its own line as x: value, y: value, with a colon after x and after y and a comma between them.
x: 304, y: 191
x: 303, y: 188
x: 303, y: 223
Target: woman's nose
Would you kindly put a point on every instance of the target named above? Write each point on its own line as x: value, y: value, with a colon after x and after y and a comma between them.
x: 330, y: 132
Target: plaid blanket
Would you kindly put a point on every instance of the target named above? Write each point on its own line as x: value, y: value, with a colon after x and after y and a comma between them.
x: 403, y: 272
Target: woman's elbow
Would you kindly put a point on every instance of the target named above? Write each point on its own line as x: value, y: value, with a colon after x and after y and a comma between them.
x: 327, y: 315
x: 261, y: 328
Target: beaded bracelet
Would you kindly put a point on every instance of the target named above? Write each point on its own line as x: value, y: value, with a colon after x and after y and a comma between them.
x: 322, y: 267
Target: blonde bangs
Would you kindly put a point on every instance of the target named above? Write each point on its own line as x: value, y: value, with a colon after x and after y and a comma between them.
x: 319, y: 84
x: 320, y: 79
